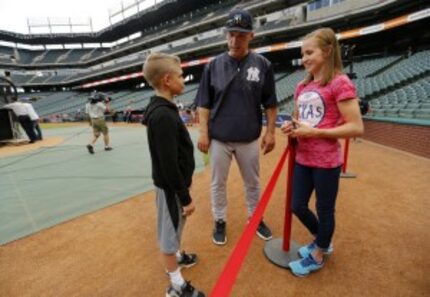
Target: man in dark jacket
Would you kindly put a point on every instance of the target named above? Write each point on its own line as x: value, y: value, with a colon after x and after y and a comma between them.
x: 235, y: 85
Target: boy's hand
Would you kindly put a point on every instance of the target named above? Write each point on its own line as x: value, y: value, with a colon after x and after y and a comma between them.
x: 188, y: 210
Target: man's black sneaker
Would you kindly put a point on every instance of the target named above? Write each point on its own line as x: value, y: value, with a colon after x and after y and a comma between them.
x: 187, y: 260
x: 187, y: 290
x: 90, y: 149
x: 108, y: 148
x: 264, y: 232
x: 219, y: 236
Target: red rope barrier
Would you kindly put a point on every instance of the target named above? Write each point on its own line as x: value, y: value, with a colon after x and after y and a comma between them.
x: 345, y: 155
x: 228, y: 276
x: 289, y: 194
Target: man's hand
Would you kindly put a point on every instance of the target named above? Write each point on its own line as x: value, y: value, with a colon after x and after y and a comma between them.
x: 268, y: 143
x: 204, y: 140
x: 203, y: 143
x: 188, y: 210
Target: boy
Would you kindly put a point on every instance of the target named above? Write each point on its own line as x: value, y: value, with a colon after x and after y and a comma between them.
x: 172, y: 158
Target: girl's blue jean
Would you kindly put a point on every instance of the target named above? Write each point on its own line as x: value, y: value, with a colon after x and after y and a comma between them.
x: 325, y: 182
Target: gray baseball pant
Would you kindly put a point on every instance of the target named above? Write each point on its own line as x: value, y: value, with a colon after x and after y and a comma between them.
x: 247, y: 157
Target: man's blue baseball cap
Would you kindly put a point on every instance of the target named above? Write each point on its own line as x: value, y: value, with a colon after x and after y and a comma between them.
x: 239, y: 20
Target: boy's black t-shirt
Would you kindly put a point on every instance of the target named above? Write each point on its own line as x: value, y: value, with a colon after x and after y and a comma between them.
x: 171, y: 148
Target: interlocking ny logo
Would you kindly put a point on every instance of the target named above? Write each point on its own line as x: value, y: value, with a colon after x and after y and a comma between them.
x: 238, y: 18
x: 253, y: 74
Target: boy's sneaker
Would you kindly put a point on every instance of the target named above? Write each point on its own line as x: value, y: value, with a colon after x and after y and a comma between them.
x: 108, y: 148
x: 306, y: 250
x: 305, y: 266
x: 219, y: 236
x: 263, y: 231
x: 187, y: 260
x: 187, y: 290
x: 90, y: 149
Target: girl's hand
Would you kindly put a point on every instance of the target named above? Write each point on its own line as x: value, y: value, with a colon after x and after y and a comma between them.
x: 295, y: 128
x: 302, y: 129
x: 287, y: 127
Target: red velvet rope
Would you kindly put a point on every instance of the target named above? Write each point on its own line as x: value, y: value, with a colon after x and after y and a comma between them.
x: 228, y: 276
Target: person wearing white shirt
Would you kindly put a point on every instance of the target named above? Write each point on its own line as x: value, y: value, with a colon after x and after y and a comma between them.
x: 21, y: 111
x: 34, y: 117
x: 96, y: 110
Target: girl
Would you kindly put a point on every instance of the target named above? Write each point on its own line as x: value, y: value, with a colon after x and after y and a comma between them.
x: 326, y: 108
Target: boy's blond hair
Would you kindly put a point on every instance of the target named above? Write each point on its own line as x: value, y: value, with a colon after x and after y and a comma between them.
x: 157, y: 65
x: 327, y: 42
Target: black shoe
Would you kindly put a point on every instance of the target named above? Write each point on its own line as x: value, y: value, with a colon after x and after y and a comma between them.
x: 264, y: 232
x: 187, y: 260
x: 187, y: 290
x: 219, y: 237
x: 90, y: 149
x: 108, y: 148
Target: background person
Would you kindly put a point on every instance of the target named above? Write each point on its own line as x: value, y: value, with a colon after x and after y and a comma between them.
x: 22, y: 113
x: 34, y: 118
x: 96, y: 109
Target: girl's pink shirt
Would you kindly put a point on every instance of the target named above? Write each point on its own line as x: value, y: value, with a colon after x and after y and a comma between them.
x: 317, y: 106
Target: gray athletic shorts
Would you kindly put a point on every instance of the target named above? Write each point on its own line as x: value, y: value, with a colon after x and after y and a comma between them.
x: 169, y: 237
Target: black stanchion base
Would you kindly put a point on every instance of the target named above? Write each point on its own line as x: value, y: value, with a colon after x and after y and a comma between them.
x: 348, y: 175
x: 274, y: 252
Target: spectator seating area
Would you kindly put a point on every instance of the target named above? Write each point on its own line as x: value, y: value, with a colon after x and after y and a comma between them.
x: 396, y: 87
x: 39, y: 57
x: 71, y: 56
x: 411, y: 101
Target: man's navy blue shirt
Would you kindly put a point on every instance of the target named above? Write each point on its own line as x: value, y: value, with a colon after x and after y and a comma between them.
x: 237, y: 117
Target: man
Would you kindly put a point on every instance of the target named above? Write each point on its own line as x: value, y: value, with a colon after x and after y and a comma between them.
x: 96, y: 109
x: 22, y: 113
x: 234, y: 87
x: 34, y: 117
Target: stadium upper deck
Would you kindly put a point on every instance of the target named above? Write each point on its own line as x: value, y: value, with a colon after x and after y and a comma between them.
x: 193, y: 35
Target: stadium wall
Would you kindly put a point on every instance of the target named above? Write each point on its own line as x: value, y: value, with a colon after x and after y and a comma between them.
x: 414, y: 139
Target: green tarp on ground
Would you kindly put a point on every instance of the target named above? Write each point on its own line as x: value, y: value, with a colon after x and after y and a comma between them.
x: 42, y: 188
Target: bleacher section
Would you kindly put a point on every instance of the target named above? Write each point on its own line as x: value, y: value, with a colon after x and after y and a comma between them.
x: 399, y: 91
x: 212, y: 12
x: 5, y: 55
x: 26, y: 57
x: 190, y: 92
x: 66, y: 56
x: 20, y: 79
x: 369, y: 67
x: 49, y: 57
x: 411, y: 101
x: 396, y: 87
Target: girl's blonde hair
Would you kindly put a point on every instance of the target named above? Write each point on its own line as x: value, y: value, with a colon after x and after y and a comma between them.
x: 327, y: 42
x: 159, y: 64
